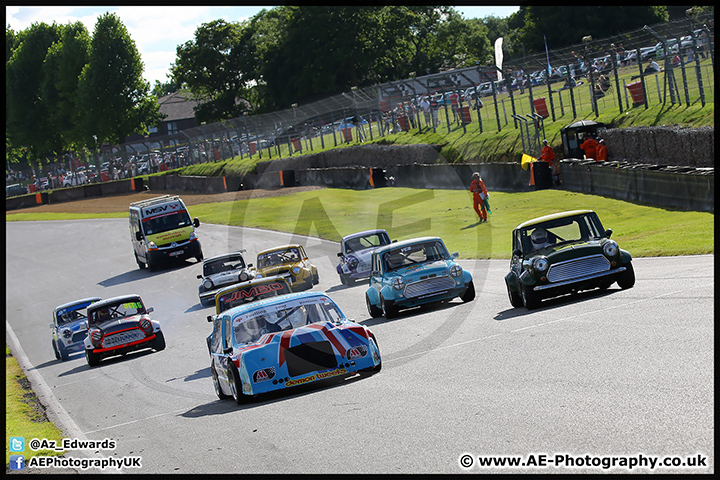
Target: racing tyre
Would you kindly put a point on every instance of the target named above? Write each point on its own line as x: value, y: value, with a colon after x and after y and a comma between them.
x: 236, y: 386
x: 469, y: 294
x: 63, y: 352
x: 55, y: 349
x: 627, y: 278
x: 388, y: 308
x: 158, y: 342
x: 530, y: 298
x: 92, y: 358
x: 316, y: 278
x: 150, y: 264
x: 140, y: 264
x: 515, y: 299
x: 372, y: 309
x: 216, y: 384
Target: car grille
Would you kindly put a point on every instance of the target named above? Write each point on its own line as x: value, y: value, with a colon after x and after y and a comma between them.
x: 579, y: 267
x: 428, y: 286
x: 79, y: 336
x: 123, y: 337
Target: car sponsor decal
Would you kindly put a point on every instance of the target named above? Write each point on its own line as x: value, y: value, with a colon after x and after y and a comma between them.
x: 316, y: 376
x: 176, y: 235
x: 123, y: 338
x: 169, y: 207
x: 254, y: 291
x: 356, y: 352
x: 264, y: 374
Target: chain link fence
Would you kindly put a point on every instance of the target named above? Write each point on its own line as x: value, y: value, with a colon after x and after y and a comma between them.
x: 596, y: 75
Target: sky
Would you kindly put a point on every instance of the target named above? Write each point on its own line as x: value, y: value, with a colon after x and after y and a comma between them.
x: 158, y: 30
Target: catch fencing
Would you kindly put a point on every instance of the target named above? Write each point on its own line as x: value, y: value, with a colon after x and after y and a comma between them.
x: 591, y: 77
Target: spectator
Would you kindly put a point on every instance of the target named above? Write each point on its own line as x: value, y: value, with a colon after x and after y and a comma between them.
x: 601, y: 151
x: 454, y: 105
x: 480, y: 196
x: 589, y: 146
x: 652, y: 67
x: 425, y: 107
x: 547, y: 154
x: 598, y: 91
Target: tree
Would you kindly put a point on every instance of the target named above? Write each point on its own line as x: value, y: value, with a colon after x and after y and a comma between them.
x: 208, y: 66
x: 111, y: 90
x: 26, y: 114
x: 563, y: 26
x: 62, y: 67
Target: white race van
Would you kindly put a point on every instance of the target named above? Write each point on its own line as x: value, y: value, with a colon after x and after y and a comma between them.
x: 161, y: 229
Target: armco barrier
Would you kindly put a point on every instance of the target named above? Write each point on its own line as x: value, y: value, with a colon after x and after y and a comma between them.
x: 688, y: 189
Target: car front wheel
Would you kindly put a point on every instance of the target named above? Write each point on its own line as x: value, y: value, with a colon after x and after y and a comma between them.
x: 216, y: 384
x: 158, y: 342
x: 515, y: 299
x: 469, y: 294
x: 372, y: 309
x: 388, y: 308
x: 531, y: 299
x: 92, y: 358
x: 236, y: 386
x: 627, y: 278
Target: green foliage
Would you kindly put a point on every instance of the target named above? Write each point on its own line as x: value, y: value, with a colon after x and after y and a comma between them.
x: 112, y: 91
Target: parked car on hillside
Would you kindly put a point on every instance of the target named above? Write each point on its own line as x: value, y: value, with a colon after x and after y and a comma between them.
x: 564, y: 253
x: 15, y: 189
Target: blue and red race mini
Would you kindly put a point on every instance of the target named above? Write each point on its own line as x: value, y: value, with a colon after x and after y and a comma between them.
x: 285, y: 341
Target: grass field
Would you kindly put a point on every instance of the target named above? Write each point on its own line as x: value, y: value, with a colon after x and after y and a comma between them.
x: 407, y: 213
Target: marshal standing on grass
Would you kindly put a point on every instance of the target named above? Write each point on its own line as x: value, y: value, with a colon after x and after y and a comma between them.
x: 480, y: 196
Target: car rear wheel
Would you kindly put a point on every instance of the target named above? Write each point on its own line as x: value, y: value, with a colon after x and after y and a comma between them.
x: 627, y: 278
x: 216, y: 384
x: 469, y: 294
x: 531, y: 299
x: 515, y: 299
x: 372, y: 309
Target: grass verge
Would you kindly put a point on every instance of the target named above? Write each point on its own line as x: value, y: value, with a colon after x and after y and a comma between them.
x: 24, y: 414
x: 406, y: 213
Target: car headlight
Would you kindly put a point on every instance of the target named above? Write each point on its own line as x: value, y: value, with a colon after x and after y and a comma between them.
x: 353, y: 262
x: 540, y: 264
x: 193, y: 235
x: 610, y: 249
x: 146, y: 326
x: 296, y: 270
x: 66, y: 333
x: 96, y: 337
x: 244, y: 277
x: 152, y: 246
x: 259, y: 275
x: 208, y: 284
x: 456, y: 270
x: 398, y: 283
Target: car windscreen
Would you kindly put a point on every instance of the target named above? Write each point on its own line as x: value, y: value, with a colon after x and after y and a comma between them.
x: 234, y: 262
x: 366, y: 241
x: 578, y: 228
x: 250, y: 327
x: 164, y: 223
x: 251, y: 293
x: 114, y: 311
x: 277, y: 257
x: 414, y: 254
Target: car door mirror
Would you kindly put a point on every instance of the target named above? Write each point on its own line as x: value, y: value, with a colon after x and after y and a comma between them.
x: 608, y: 232
x: 454, y: 255
x: 199, y: 276
x: 138, y: 236
x: 340, y: 254
x: 196, y: 222
x: 210, y: 318
x: 52, y: 325
x: 150, y: 310
x: 516, y: 252
x: 228, y: 350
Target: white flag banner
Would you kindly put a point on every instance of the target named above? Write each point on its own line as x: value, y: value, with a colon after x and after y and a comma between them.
x: 499, y: 56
